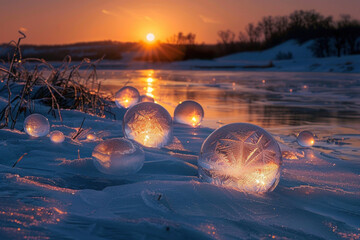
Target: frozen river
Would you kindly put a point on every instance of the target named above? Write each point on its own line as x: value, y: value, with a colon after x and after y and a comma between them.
x: 55, y: 192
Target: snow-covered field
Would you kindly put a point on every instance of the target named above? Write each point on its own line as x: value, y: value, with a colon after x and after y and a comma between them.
x: 55, y: 192
x: 302, y: 61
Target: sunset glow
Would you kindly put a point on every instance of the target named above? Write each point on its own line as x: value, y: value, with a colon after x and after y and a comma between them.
x: 150, y: 37
x: 131, y: 21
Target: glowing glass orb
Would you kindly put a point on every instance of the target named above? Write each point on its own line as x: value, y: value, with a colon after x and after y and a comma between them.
x: 36, y: 125
x: 91, y: 137
x: 189, y: 112
x: 149, y: 124
x: 127, y: 97
x: 306, y: 139
x: 118, y: 156
x: 243, y: 156
x: 145, y: 98
x: 57, y: 136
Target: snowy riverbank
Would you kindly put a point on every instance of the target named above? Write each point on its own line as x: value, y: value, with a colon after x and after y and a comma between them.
x: 55, y: 191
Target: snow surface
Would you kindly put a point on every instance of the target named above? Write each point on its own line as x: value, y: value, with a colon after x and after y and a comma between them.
x: 55, y: 191
x: 297, y: 51
x: 302, y: 61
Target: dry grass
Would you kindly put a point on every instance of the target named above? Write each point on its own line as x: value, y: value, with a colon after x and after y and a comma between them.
x: 64, y: 87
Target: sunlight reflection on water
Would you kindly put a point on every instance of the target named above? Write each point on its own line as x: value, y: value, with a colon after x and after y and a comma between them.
x: 265, y: 99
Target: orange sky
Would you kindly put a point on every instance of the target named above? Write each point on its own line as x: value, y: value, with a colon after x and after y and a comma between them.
x: 65, y: 21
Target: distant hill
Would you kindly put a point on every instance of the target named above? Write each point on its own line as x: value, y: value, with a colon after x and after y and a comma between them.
x: 110, y: 50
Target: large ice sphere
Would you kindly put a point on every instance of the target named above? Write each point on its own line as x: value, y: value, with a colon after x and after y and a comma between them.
x: 241, y: 155
x: 36, y: 125
x: 306, y: 139
x: 149, y: 124
x: 57, y: 136
x: 189, y: 112
x: 118, y: 156
x: 127, y: 97
x: 146, y: 98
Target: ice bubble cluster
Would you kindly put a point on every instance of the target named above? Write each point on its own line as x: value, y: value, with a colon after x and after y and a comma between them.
x: 145, y: 98
x: 189, y: 112
x: 306, y: 139
x: 118, y: 156
x: 36, y: 125
x: 149, y: 124
x: 57, y: 136
x: 243, y: 156
x: 127, y: 97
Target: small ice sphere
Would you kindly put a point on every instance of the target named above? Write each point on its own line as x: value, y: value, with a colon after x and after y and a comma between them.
x: 306, y: 139
x: 36, y: 125
x: 145, y: 98
x: 118, y: 156
x: 243, y: 156
x: 149, y: 124
x: 91, y: 137
x: 127, y: 97
x: 189, y: 112
x: 57, y: 136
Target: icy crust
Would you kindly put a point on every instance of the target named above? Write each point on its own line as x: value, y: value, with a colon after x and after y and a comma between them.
x: 149, y: 124
x: 118, y: 156
x: 52, y: 193
x: 56, y: 192
x: 243, y: 156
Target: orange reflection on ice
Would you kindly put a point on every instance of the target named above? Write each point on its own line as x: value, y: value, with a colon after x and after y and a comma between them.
x: 28, y: 180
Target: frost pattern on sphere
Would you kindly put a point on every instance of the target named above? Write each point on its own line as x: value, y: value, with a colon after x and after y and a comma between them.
x: 36, y: 125
x: 146, y: 98
x: 127, y: 97
x: 243, y: 156
x: 57, y: 136
x: 118, y: 156
x: 149, y: 124
x: 189, y: 112
x: 306, y: 139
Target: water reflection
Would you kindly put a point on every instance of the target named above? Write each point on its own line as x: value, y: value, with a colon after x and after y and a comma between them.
x: 266, y: 99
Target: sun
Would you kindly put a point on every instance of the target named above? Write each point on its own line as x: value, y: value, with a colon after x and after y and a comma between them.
x: 150, y: 37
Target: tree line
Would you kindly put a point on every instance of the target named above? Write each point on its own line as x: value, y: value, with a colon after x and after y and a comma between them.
x: 331, y: 37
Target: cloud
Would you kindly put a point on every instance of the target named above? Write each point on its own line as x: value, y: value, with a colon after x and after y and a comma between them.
x: 133, y: 13
x: 208, y: 20
x: 106, y: 12
x: 147, y: 18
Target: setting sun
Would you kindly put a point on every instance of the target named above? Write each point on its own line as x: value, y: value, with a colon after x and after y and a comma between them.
x: 150, y: 37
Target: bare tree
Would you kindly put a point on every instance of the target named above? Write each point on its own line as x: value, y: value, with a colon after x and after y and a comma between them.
x: 253, y: 32
x: 182, y: 39
x: 227, y: 37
